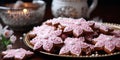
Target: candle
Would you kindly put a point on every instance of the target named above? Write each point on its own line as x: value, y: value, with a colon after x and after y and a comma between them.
x: 24, y: 11
x: 19, y: 14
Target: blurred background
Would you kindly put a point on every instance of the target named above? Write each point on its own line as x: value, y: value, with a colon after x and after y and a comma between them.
x: 108, y: 10
x: 101, y: 2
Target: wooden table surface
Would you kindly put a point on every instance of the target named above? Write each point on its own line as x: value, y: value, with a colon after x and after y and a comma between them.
x: 108, y: 14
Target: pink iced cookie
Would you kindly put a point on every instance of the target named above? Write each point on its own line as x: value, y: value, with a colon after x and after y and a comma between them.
x: 107, y: 43
x: 59, y: 20
x: 74, y: 46
x: 102, y: 28
x: 116, y: 33
x: 40, y: 30
x: 80, y: 23
x: 51, y: 22
x: 55, y: 33
x: 16, y: 53
x: 77, y: 30
x: 35, y: 40
x: 102, y: 37
x: 46, y: 38
x: 76, y: 26
x: 86, y: 28
x: 46, y: 33
x: 47, y: 44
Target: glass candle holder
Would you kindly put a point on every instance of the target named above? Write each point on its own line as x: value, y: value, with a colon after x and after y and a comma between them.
x: 25, y: 17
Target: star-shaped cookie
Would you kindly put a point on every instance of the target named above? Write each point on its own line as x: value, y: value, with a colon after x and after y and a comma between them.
x: 103, y: 28
x: 47, y: 40
x: 47, y: 44
x: 75, y: 46
x: 16, y: 53
x: 107, y: 43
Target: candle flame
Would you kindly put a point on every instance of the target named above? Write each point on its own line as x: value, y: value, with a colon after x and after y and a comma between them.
x: 25, y: 10
x: 8, y: 11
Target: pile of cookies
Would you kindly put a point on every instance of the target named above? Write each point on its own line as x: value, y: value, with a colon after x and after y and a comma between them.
x: 68, y: 36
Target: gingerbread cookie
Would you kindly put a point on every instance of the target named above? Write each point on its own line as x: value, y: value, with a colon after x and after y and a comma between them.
x: 116, y: 33
x: 16, y: 53
x: 74, y: 46
x: 47, y: 44
x: 107, y: 43
x: 102, y: 28
x: 46, y: 39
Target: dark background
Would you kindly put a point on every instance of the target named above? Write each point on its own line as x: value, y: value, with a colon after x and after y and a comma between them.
x: 108, y: 10
x: 101, y: 2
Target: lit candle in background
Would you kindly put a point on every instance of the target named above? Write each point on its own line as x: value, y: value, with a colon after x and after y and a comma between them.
x: 25, y: 11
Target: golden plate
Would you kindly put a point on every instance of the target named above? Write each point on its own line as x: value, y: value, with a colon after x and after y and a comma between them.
x: 115, y: 26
